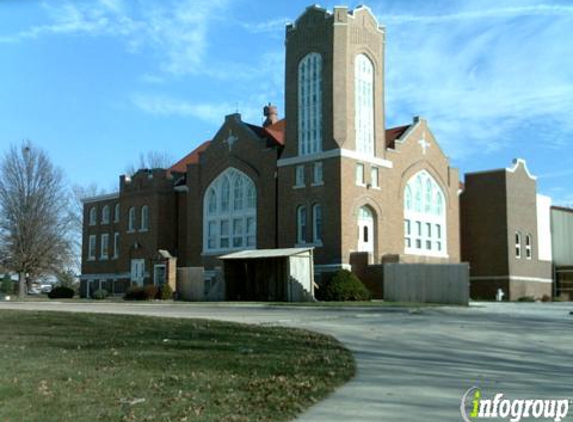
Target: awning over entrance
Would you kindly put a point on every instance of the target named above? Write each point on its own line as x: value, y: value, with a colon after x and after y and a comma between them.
x: 284, y: 275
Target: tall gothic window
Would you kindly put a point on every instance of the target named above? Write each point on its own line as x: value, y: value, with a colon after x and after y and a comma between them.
x: 364, y: 104
x: 230, y: 212
x: 424, y: 216
x: 144, y: 218
x: 310, y: 104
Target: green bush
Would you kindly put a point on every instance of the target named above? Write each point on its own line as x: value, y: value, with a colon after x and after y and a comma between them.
x: 345, y: 286
x: 526, y: 299
x: 100, y: 294
x: 166, y: 292
x: 61, y: 292
x: 7, y: 285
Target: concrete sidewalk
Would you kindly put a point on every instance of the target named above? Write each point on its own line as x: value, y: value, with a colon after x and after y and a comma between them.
x: 412, y: 365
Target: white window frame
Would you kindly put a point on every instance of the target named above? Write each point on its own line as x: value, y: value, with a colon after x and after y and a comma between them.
x: 93, y: 216
x: 116, y: 245
x: 104, y: 247
x: 310, y: 104
x: 317, y: 224
x: 131, y: 220
x: 92, y: 246
x: 528, y: 250
x: 364, y: 105
x: 299, y: 181
x: 105, y: 215
x: 301, y: 225
x: 230, y: 223
x: 360, y: 174
x: 374, y: 177
x: 144, y: 219
x: 318, y: 174
x: 424, y: 210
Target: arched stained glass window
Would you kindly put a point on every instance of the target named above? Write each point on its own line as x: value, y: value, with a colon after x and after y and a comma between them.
x: 364, y: 104
x: 310, y: 104
x: 230, y: 212
x: 425, y: 222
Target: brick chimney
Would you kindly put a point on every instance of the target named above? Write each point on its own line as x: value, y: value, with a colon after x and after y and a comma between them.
x: 271, y: 114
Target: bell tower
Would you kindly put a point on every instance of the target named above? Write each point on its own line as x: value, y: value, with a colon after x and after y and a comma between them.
x: 334, y: 84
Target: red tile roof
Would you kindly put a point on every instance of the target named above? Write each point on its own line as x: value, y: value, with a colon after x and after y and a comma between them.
x: 277, y: 131
x: 191, y: 158
x: 393, y: 134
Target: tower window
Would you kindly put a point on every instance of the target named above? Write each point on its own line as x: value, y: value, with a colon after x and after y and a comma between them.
x: 364, y: 104
x: 310, y: 104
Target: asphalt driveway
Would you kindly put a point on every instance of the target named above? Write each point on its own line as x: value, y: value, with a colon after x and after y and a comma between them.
x: 413, y: 365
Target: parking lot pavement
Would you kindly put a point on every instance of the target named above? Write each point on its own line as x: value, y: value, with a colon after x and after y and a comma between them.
x: 412, y: 364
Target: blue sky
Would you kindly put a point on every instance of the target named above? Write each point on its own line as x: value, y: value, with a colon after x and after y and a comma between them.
x: 97, y: 82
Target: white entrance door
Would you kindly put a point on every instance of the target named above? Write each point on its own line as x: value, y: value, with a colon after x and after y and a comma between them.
x: 137, y: 271
x: 365, y: 230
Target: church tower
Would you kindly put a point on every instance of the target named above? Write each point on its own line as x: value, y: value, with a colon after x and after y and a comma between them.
x: 334, y: 106
x: 334, y: 83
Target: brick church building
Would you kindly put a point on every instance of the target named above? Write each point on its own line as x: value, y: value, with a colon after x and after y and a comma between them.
x: 329, y: 175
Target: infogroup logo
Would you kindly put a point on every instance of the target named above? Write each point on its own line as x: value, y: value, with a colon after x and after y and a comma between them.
x: 475, y: 407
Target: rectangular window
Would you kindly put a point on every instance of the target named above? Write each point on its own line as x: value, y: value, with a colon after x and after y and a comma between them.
x: 360, y: 174
x: 517, y: 245
x: 104, y: 251
x: 418, y: 228
x: 301, y: 225
x: 116, y: 214
x: 407, y: 233
x: 428, y: 230
x: 528, y: 254
x: 237, y: 233
x: 92, y: 248
x: 438, y: 231
x: 299, y: 182
x: 251, y: 232
x: 429, y: 245
x: 317, y: 223
x: 224, y: 233
x: 116, y: 245
x: 212, y: 235
x: 318, y: 174
x: 374, y: 177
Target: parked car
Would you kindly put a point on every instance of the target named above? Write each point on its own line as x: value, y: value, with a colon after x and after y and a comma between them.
x: 46, y: 288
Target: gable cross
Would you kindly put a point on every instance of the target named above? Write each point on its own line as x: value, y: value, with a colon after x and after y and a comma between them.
x: 231, y: 139
x: 424, y: 144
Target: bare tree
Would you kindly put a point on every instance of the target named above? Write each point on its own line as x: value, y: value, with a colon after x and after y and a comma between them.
x: 151, y: 160
x: 34, y: 214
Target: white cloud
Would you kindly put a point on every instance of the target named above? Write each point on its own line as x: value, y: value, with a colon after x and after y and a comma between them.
x: 176, y: 30
x: 212, y: 113
x: 481, y: 82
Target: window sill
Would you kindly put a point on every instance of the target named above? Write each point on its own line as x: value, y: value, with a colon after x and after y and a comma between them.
x: 143, y: 230
x: 299, y: 186
x: 362, y: 185
x: 317, y: 184
x: 103, y: 258
x: 376, y: 188
x: 317, y: 244
x: 91, y: 259
x: 131, y: 231
x: 424, y: 252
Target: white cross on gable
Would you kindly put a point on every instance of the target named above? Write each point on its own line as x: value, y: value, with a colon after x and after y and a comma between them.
x: 424, y: 144
x: 231, y: 139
